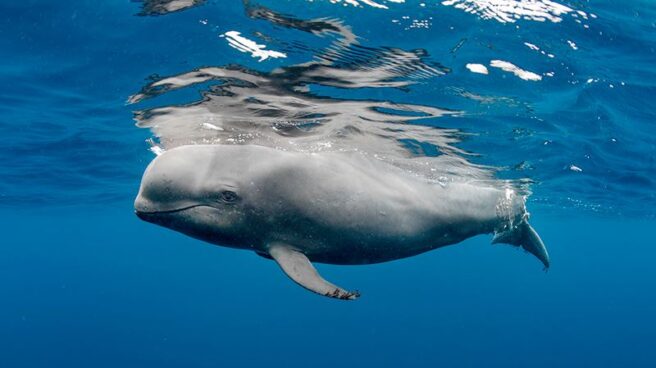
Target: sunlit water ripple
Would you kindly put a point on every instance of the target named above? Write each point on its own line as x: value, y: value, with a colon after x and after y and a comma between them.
x: 550, y: 97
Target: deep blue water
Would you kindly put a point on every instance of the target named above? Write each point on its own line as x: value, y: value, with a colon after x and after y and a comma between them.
x: 86, y: 283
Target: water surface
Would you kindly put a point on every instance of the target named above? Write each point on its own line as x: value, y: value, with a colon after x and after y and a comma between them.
x: 553, y: 99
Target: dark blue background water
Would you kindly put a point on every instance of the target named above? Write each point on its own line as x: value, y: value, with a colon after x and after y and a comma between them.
x: 84, y: 283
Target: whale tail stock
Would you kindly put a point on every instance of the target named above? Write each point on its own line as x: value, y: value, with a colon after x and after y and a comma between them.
x: 523, y: 235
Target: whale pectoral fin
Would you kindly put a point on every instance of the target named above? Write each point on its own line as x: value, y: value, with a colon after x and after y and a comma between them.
x: 299, y: 268
x: 525, y: 236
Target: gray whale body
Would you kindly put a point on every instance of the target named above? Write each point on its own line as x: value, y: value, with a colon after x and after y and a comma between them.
x: 331, y: 207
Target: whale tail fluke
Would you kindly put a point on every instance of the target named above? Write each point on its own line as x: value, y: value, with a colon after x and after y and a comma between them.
x: 523, y: 235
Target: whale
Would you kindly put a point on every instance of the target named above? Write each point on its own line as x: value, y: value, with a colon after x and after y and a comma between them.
x: 300, y: 208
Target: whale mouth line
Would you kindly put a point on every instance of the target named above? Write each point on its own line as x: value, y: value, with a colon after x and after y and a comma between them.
x: 151, y: 213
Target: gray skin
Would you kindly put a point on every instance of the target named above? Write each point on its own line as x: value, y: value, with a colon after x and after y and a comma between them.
x: 336, y: 208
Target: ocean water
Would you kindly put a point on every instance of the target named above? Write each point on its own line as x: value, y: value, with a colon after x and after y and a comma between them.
x: 551, y: 98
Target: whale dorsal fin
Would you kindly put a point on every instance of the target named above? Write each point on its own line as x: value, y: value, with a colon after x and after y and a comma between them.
x: 299, y: 268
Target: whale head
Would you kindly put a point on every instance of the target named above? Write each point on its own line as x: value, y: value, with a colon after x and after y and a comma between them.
x: 197, y: 191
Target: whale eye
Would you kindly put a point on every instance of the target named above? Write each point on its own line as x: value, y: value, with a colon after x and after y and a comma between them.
x: 228, y: 196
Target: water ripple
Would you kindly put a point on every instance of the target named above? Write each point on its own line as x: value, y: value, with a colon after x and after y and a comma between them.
x: 282, y: 109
